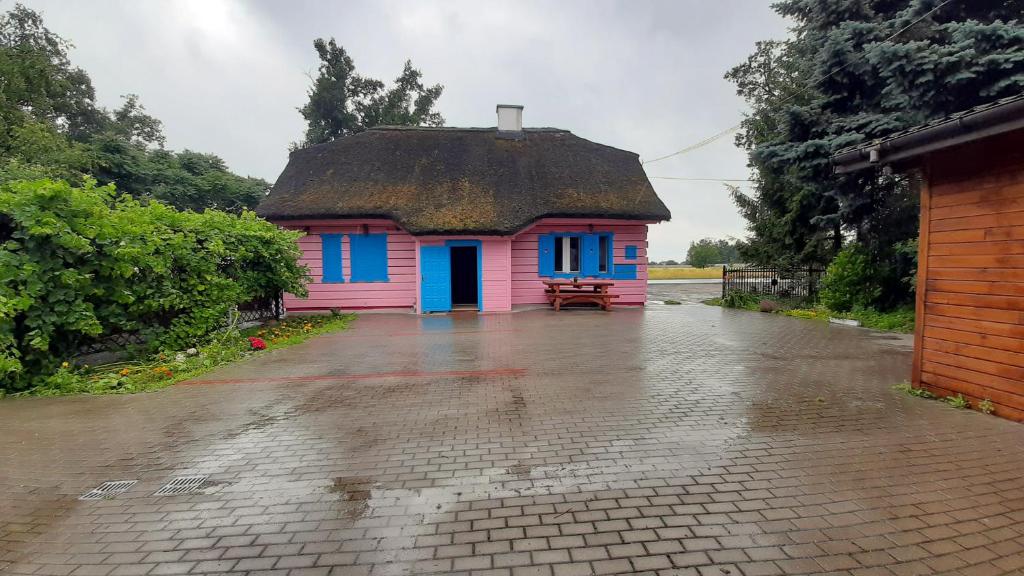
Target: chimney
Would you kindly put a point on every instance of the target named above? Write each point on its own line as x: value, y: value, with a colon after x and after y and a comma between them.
x: 510, y: 120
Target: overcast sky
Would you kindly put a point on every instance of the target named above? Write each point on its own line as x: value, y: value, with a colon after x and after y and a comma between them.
x: 226, y: 76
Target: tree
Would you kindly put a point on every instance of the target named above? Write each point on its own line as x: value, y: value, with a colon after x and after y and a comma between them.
x: 848, y: 75
x: 728, y: 250
x: 342, y: 103
x: 38, y: 82
x: 131, y: 123
x: 703, y: 253
x: 51, y: 127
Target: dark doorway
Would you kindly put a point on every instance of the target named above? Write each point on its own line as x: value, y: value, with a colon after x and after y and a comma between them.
x: 464, y: 277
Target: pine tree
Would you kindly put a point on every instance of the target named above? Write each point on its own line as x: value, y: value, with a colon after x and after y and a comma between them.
x: 843, y: 79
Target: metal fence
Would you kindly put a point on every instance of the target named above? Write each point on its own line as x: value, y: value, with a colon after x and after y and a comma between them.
x: 782, y: 283
x: 244, y: 315
x: 259, y: 310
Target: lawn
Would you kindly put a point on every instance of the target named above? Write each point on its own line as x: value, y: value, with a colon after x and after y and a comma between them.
x: 900, y: 320
x: 682, y: 273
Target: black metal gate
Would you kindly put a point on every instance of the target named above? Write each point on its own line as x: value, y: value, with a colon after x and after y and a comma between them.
x: 795, y: 283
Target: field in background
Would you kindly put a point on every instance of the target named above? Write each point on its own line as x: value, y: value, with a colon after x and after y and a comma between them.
x: 683, y: 273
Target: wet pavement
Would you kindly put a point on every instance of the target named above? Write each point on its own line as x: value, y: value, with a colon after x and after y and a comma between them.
x: 683, y: 292
x: 680, y: 439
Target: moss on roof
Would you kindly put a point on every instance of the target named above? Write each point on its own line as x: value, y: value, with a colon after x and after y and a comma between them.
x: 462, y: 180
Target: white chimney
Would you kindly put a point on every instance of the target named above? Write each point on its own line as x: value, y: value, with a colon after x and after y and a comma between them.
x: 510, y: 118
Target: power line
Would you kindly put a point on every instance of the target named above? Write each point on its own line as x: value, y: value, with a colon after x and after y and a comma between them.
x: 817, y: 81
x: 700, y: 144
x: 700, y: 179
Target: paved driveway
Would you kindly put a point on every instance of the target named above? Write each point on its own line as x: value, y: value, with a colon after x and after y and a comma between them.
x: 684, y: 439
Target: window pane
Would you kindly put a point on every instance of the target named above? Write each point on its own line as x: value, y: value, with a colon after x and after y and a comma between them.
x: 602, y: 254
x: 558, y: 254
x: 574, y: 254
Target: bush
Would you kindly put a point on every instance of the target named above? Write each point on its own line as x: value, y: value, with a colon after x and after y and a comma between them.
x: 850, y: 281
x: 82, y: 263
x: 738, y: 299
x: 898, y: 320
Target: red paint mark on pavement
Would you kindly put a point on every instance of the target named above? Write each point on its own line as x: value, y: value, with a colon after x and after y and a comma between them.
x: 370, y: 376
x: 429, y: 333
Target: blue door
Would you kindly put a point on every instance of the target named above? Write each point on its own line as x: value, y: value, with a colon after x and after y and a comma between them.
x: 436, y: 278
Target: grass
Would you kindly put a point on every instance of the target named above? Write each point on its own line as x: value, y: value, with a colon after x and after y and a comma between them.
x: 682, y: 273
x: 167, y: 368
x: 957, y: 401
x: 900, y: 320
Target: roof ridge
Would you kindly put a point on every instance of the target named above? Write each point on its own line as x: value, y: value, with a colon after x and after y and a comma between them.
x: 459, y: 129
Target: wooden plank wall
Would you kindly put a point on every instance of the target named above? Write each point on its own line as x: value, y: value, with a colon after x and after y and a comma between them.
x: 527, y: 285
x: 970, y: 338
x: 398, y: 292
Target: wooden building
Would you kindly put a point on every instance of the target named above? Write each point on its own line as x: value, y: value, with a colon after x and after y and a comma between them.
x: 969, y: 337
x: 438, y: 219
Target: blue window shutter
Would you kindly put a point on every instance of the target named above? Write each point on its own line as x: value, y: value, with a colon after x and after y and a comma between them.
x: 630, y: 252
x: 625, y: 272
x: 546, y: 255
x: 369, y: 257
x: 331, y: 252
x: 589, y: 246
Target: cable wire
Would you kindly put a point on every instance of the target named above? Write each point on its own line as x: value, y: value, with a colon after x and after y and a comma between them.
x: 862, y: 56
x: 700, y: 179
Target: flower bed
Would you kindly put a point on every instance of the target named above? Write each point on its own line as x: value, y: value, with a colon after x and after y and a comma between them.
x: 168, y: 368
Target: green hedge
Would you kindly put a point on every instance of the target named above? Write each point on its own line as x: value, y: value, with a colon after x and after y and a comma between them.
x: 851, y: 281
x: 81, y: 263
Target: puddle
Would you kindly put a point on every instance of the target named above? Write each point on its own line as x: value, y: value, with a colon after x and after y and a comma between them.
x: 356, y: 493
x: 520, y: 471
x: 212, y: 486
x: 347, y: 485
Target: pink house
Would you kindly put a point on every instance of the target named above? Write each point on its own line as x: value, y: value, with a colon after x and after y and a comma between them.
x: 437, y: 219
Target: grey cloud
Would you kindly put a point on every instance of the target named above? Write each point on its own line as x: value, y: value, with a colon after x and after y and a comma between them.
x: 226, y: 76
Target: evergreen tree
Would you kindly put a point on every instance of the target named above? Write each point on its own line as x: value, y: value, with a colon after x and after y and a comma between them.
x: 853, y: 71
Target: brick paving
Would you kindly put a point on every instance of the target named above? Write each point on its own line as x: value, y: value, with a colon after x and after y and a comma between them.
x: 676, y: 440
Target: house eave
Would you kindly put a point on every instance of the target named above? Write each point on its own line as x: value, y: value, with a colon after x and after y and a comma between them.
x: 645, y: 218
x: 905, y: 148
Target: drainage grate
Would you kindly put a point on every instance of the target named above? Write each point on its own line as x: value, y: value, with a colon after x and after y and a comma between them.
x: 108, y: 490
x: 181, y: 485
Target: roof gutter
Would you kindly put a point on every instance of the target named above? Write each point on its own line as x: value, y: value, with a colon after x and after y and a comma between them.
x: 968, y: 128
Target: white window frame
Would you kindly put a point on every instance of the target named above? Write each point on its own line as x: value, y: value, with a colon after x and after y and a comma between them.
x: 566, y: 264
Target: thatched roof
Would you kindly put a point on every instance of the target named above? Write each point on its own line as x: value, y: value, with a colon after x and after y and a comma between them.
x: 462, y: 180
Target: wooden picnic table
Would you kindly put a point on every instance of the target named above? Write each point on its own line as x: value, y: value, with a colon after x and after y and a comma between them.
x: 564, y: 291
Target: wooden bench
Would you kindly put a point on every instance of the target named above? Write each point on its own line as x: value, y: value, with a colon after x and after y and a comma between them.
x: 561, y: 292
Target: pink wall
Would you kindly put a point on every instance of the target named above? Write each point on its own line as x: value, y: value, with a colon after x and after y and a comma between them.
x: 398, y: 292
x: 509, y: 264
x: 527, y: 286
x: 496, y: 264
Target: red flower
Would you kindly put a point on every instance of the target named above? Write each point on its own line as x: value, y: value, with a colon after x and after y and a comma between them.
x: 257, y: 343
